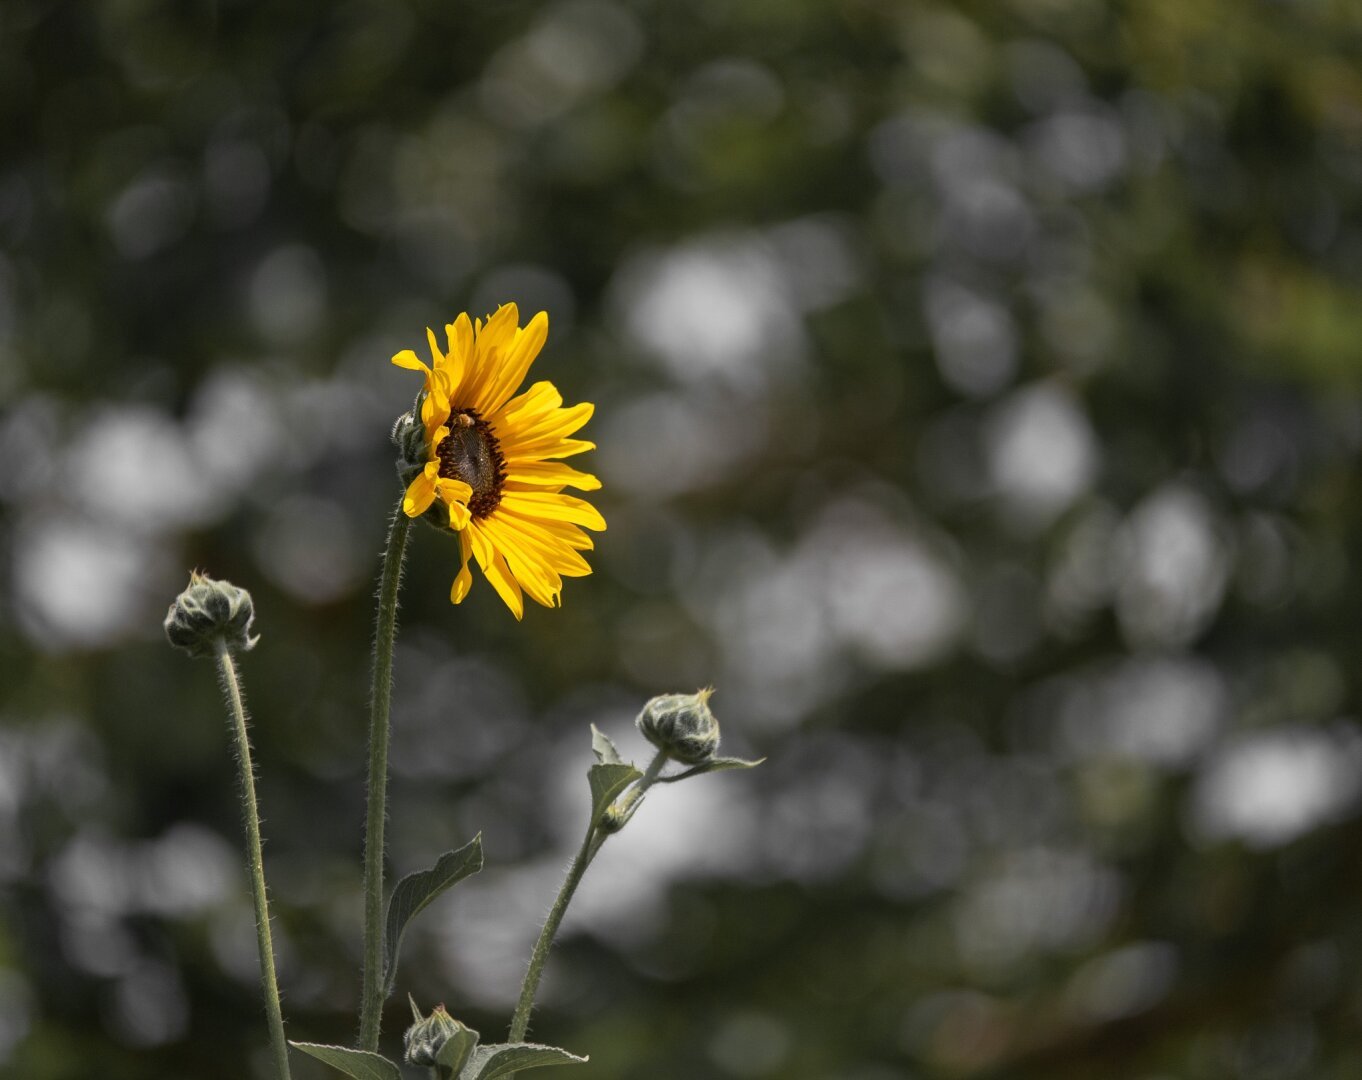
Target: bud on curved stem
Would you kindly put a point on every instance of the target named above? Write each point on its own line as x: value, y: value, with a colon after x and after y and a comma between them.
x: 214, y: 618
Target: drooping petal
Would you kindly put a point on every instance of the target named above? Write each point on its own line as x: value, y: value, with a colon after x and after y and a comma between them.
x: 463, y: 581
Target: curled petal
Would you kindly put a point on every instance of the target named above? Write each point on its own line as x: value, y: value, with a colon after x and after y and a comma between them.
x: 420, y: 494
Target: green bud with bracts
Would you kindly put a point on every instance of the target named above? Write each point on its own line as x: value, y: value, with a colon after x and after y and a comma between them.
x: 428, y: 1036
x: 681, y: 726
x: 209, y: 611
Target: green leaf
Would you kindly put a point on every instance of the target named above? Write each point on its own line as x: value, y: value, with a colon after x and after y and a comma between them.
x: 359, y: 1064
x: 456, y: 1051
x: 604, y: 748
x: 718, y: 764
x: 415, y: 891
x: 607, y: 782
x: 503, y: 1059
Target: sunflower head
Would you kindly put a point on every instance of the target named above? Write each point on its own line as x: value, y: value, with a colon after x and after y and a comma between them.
x: 483, y: 462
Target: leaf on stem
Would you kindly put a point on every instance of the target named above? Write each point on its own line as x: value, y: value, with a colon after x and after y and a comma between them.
x: 502, y: 1059
x: 608, y: 781
x: 718, y: 764
x: 456, y: 1051
x: 604, y: 748
x: 415, y: 891
x: 359, y: 1064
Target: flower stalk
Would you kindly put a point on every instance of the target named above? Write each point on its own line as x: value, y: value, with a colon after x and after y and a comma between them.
x: 231, y: 688
x: 594, y: 840
x: 380, y: 702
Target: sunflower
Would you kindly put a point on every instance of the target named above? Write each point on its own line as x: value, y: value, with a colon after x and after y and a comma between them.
x: 486, y: 463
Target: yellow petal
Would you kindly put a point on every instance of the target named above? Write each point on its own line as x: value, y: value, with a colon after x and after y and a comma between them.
x: 451, y: 490
x: 560, y: 531
x: 540, y: 545
x: 409, y: 360
x: 541, y: 449
x: 459, y: 517
x: 460, y: 333
x: 541, y: 398
x: 554, y: 506
x: 539, y: 581
x: 516, y: 437
x: 463, y: 580
x: 419, y: 495
x: 500, y: 328
x: 498, y: 574
x: 549, y: 474
x: 434, y: 348
x: 513, y: 365
x: 434, y: 408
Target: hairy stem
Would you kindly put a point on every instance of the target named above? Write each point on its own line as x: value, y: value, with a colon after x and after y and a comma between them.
x: 371, y: 1000
x: 231, y: 688
x: 591, y: 844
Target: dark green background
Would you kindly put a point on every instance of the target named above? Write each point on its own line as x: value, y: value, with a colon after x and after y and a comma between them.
x: 979, y: 399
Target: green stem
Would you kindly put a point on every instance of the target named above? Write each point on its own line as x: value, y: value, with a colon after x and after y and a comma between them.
x: 371, y: 1000
x: 231, y: 687
x: 591, y: 844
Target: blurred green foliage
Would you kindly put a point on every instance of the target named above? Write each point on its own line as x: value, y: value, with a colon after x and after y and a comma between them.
x: 979, y: 406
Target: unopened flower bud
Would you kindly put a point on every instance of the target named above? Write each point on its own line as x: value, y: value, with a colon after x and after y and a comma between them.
x: 682, y: 726
x: 209, y: 611
x: 427, y: 1036
x: 409, y: 436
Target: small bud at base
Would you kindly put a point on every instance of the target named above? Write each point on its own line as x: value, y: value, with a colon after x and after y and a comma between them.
x: 423, y: 1040
x: 682, y: 726
x: 210, y: 611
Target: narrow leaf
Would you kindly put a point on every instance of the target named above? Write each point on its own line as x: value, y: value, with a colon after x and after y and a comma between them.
x: 604, y: 748
x: 359, y: 1064
x: 607, y: 782
x: 503, y: 1059
x: 415, y: 891
x: 718, y: 764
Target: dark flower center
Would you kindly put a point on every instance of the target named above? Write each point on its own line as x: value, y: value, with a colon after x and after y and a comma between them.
x: 471, y: 453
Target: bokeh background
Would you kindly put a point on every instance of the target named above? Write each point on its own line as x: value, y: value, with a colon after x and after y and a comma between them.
x: 979, y: 404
